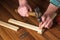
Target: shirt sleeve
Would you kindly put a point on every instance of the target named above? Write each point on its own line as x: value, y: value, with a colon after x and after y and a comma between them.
x: 55, y: 2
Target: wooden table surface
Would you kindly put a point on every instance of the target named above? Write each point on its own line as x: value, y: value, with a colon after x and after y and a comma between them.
x: 7, y: 11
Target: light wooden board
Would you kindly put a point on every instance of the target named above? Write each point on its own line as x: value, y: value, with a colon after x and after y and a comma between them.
x: 29, y: 26
x: 9, y: 26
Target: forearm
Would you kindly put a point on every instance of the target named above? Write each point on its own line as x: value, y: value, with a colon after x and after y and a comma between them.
x: 22, y: 2
x: 51, y: 9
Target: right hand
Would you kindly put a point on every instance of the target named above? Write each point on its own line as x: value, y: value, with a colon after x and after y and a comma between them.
x: 47, y: 22
x: 23, y: 10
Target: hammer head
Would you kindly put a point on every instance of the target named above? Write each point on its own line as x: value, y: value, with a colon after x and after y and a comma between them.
x: 38, y: 14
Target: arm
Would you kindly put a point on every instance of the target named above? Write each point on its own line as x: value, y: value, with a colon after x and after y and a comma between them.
x: 53, y: 6
x: 51, y: 9
x: 22, y: 2
x: 47, y: 21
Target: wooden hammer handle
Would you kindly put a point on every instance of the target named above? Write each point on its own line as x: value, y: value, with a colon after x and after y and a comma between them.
x: 30, y: 13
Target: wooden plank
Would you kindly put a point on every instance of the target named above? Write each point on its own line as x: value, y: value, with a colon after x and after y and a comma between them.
x: 9, y: 26
x: 29, y: 26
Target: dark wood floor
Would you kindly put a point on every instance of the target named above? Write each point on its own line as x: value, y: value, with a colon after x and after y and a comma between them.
x: 7, y: 11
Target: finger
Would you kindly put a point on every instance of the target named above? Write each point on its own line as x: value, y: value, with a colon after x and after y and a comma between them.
x: 40, y: 25
x: 43, y: 25
x: 29, y: 8
x: 49, y: 24
x: 43, y: 18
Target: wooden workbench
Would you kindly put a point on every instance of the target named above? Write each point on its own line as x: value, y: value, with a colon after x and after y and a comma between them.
x: 7, y: 11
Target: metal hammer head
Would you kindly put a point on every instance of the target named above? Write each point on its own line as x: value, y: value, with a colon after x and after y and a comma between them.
x: 38, y: 14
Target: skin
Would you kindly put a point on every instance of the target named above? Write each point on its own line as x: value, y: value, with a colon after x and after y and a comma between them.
x: 23, y: 8
x: 47, y: 21
x: 46, y: 18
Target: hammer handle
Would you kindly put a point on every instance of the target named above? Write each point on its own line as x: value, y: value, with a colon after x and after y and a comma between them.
x: 30, y: 13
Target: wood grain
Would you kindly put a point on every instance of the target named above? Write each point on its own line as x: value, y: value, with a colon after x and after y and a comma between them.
x: 7, y: 25
x: 7, y: 11
x: 1, y: 38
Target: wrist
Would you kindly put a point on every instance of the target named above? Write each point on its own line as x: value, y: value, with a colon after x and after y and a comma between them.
x: 22, y: 2
x: 49, y: 15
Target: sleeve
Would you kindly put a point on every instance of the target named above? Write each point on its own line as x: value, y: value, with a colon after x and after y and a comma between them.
x: 55, y: 2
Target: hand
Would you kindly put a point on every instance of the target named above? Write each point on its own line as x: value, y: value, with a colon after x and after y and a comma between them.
x: 23, y: 10
x: 47, y: 22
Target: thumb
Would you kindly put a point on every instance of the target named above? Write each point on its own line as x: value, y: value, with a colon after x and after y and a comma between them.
x: 29, y: 8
